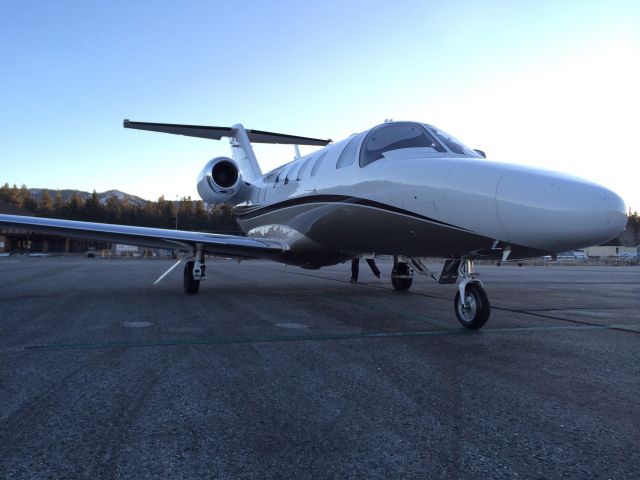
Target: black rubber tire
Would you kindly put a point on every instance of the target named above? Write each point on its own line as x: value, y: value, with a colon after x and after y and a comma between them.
x: 190, y: 285
x: 482, y: 307
x: 401, y: 284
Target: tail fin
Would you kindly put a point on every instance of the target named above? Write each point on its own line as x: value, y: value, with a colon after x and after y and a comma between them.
x: 242, y: 153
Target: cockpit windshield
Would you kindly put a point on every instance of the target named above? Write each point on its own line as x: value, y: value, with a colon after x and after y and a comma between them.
x: 394, y: 136
x: 456, y: 146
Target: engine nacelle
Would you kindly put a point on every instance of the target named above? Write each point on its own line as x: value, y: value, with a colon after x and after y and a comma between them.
x: 220, y: 181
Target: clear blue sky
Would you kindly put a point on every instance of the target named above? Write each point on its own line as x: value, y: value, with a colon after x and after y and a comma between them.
x: 552, y: 84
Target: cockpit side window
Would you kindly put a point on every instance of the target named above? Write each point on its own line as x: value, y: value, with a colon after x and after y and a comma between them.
x: 348, y: 155
x: 456, y: 146
x: 394, y: 136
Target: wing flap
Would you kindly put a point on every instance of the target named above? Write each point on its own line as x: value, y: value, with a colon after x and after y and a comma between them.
x: 217, y: 244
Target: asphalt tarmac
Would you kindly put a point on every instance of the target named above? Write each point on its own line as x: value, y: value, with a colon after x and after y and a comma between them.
x: 275, y: 372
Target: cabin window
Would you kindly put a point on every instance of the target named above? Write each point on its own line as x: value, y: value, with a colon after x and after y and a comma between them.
x: 348, y: 155
x: 304, y: 167
x: 270, y: 176
x: 279, y: 175
x: 316, y: 165
x: 395, y: 136
x: 290, y: 174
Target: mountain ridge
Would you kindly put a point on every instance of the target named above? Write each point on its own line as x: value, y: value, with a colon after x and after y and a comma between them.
x: 66, y: 194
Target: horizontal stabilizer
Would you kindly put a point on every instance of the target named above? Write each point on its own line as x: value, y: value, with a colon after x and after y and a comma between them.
x: 216, y: 133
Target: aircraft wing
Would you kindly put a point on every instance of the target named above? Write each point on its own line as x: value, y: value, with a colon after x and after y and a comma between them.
x: 215, y: 244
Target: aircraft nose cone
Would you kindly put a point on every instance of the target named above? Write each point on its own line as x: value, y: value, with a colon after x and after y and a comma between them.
x: 557, y: 213
x: 612, y: 214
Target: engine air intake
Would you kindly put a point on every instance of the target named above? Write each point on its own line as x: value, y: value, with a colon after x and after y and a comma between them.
x: 224, y: 174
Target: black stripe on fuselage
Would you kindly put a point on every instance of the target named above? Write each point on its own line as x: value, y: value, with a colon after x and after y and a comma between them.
x: 310, y: 199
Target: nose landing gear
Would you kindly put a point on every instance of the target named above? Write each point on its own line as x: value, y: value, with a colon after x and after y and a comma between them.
x: 471, y: 304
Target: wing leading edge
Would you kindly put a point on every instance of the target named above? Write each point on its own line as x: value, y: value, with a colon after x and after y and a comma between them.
x: 216, y: 244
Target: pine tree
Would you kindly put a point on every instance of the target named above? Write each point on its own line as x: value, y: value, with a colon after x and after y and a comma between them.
x: 26, y: 200
x: 167, y: 213
x: 113, y: 210
x: 58, y: 206
x: 46, y: 204
x: 186, y: 214
x: 74, y: 207
x: 5, y: 193
x: 14, y: 197
x: 224, y: 221
x: 92, y: 210
x: 201, y: 216
x: 150, y: 214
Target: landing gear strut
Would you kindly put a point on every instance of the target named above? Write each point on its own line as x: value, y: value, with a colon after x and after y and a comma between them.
x: 401, y: 274
x: 471, y: 303
x: 194, y: 272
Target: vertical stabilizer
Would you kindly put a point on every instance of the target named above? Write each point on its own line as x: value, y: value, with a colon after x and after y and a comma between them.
x: 242, y: 152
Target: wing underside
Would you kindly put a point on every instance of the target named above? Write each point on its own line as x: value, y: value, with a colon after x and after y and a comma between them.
x: 215, y: 244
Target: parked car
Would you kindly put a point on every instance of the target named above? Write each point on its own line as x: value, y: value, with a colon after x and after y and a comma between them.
x: 572, y: 256
x: 627, y: 259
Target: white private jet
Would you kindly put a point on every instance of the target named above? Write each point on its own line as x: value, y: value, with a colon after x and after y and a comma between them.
x: 404, y: 189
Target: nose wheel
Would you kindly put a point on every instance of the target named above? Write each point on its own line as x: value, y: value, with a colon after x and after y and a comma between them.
x: 475, y: 310
x: 471, y: 304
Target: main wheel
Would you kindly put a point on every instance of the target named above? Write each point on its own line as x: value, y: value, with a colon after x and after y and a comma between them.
x: 399, y: 271
x: 478, y: 309
x: 190, y: 285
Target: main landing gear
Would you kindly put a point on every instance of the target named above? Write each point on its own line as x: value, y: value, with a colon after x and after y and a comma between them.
x: 401, y: 274
x: 194, y: 272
